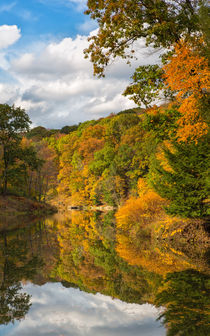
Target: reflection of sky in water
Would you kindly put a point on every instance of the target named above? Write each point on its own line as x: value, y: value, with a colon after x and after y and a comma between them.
x: 60, y: 311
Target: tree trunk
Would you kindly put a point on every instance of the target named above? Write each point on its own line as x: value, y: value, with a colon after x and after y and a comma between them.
x: 5, y: 180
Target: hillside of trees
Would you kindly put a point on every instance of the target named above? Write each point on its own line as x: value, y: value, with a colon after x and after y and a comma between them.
x: 150, y: 164
x: 153, y: 157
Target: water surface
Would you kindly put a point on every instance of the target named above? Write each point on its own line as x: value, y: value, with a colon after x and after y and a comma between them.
x: 80, y: 276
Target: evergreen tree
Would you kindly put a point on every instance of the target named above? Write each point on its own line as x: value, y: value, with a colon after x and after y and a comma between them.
x: 185, y: 182
x: 185, y: 298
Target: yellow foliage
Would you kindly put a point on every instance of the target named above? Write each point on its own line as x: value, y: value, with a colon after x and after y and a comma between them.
x: 153, y: 260
x: 189, y: 110
x: 142, y: 186
x: 139, y: 211
x: 153, y: 110
x: 160, y: 155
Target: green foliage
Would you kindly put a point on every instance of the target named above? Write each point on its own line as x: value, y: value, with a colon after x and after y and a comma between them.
x: 69, y: 129
x: 38, y: 133
x: 162, y: 124
x: 15, y: 265
x: 123, y: 22
x: 186, y: 301
x: 185, y: 183
x: 122, y: 161
x: 118, y: 126
x: 13, y: 121
x: 27, y: 168
x: 147, y: 85
x: 102, y: 160
x: 135, y: 110
x: 84, y: 125
x: 204, y: 22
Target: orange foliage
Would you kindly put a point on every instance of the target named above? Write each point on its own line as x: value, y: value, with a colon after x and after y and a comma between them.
x: 191, y: 125
x: 152, y: 259
x: 187, y: 71
x: 139, y: 211
x: 25, y: 142
x: 97, y: 131
x: 153, y: 110
x: 138, y: 221
x: 89, y: 146
x: 188, y: 74
x: 142, y: 186
x: 132, y: 136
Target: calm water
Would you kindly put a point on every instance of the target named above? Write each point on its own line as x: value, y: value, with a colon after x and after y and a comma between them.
x: 80, y: 276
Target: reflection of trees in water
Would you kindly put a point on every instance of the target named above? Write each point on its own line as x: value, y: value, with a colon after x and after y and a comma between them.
x: 89, y: 260
x: 21, y: 258
x: 185, y: 298
x: 141, y: 272
x: 13, y: 304
x: 15, y: 266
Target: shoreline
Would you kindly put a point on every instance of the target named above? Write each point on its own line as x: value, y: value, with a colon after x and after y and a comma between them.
x: 15, y: 209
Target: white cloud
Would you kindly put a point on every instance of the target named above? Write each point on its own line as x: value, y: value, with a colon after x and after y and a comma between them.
x: 27, y: 15
x: 7, y: 7
x: 8, y: 93
x: 80, y: 4
x: 69, y: 312
x: 8, y: 35
x: 87, y: 26
x: 56, y: 84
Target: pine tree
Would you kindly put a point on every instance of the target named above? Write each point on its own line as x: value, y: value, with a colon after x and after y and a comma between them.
x: 185, y: 182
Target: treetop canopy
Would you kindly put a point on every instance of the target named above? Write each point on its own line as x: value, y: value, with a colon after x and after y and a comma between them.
x: 122, y: 22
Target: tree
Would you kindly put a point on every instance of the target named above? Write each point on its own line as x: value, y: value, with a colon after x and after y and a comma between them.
x: 184, y: 78
x: 15, y: 265
x: 68, y: 129
x: 187, y: 74
x: 185, y: 298
x: 185, y: 181
x: 13, y: 121
x: 147, y: 85
x: 38, y: 133
x: 121, y: 23
x: 45, y: 177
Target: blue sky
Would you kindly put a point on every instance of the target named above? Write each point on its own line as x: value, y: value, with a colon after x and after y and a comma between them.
x: 42, y: 65
x: 45, y: 19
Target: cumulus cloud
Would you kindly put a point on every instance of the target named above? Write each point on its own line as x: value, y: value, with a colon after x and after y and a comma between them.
x: 69, y: 312
x: 8, y: 35
x: 55, y: 83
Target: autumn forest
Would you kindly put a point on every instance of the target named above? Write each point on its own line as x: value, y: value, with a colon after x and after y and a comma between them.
x: 146, y: 168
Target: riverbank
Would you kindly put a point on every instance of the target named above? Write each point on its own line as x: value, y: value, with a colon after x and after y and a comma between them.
x: 13, y: 208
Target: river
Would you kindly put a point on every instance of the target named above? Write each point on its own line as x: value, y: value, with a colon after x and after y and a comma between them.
x: 76, y: 274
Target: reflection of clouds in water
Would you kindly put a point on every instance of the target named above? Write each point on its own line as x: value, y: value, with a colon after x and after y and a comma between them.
x: 59, y: 311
